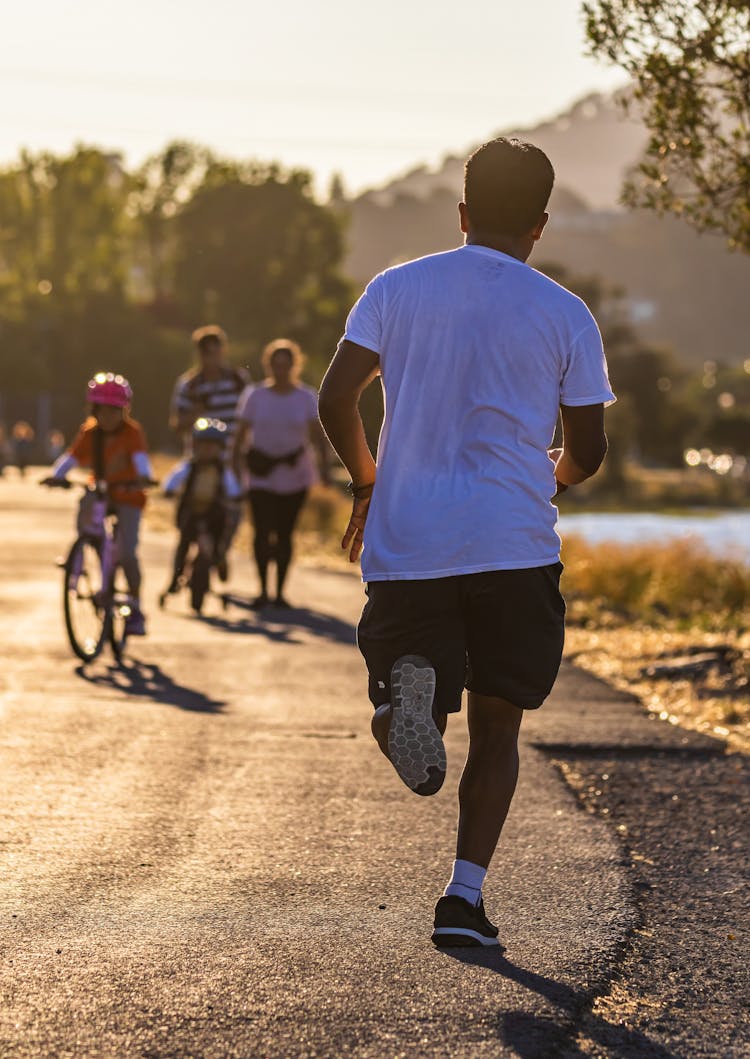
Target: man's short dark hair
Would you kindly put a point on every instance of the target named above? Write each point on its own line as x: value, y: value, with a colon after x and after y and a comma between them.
x: 507, y: 185
x: 205, y: 337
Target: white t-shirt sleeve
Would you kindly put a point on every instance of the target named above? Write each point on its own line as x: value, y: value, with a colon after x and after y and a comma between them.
x: 232, y: 487
x: 142, y: 465
x: 364, y: 325
x: 177, y: 477
x: 585, y: 379
x: 63, y: 464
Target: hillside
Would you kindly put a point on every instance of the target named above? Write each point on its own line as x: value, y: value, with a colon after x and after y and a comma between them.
x: 684, y: 290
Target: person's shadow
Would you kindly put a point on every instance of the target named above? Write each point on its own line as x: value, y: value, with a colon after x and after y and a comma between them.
x: 537, y: 1036
x: 280, y: 624
x: 146, y: 680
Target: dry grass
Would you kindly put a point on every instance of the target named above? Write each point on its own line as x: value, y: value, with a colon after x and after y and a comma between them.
x: 678, y: 581
x: 631, y: 607
x: 718, y: 703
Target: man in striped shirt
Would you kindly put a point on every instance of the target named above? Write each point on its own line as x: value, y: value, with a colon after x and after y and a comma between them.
x: 211, y: 389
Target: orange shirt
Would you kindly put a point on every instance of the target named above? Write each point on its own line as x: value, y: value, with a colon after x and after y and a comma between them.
x: 118, y: 450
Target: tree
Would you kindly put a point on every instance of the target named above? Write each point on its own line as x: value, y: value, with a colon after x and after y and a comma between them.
x: 163, y: 184
x: 337, y: 191
x: 106, y: 269
x: 254, y: 250
x: 63, y: 225
x: 65, y: 237
x: 690, y: 65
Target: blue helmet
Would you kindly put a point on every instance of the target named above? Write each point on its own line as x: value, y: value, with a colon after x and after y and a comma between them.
x: 209, y: 430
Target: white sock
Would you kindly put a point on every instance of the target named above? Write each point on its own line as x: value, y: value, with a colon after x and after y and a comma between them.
x: 466, y: 881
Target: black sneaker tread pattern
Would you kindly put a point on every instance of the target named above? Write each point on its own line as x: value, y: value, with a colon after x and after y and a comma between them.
x: 415, y: 745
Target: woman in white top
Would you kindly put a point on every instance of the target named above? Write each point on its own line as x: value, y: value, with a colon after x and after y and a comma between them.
x: 279, y: 418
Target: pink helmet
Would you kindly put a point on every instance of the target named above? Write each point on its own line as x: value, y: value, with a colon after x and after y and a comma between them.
x: 106, y: 388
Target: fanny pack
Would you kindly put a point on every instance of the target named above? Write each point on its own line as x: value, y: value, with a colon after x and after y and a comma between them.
x: 260, y: 464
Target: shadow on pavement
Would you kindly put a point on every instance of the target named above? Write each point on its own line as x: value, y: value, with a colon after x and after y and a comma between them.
x: 144, y: 680
x: 280, y: 624
x: 537, y: 1037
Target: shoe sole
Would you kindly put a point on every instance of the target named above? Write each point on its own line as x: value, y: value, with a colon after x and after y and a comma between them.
x: 415, y: 745
x: 459, y: 937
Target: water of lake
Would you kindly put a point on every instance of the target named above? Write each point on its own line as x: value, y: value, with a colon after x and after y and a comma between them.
x: 724, y: 533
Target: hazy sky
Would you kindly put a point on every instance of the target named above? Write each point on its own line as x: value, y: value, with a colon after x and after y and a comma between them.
x: 368, y: 90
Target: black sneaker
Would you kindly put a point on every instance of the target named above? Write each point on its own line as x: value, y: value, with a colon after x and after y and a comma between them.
x: 415, y: 745
x: 457, y: 922
x: 135, y: 623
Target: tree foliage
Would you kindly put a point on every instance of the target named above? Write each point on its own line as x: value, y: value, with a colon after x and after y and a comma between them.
x: 102, y: 268
x: 63, y: 225
x: 661, y: 409
x: 257, y: 252
x: 690, y: 65
x: 162, y: 185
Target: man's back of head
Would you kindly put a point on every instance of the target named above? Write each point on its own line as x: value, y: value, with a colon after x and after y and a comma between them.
x: 507, y: 184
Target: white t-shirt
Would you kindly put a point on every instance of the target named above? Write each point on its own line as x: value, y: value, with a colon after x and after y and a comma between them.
x: 477, y: 353
x: 280, y: 425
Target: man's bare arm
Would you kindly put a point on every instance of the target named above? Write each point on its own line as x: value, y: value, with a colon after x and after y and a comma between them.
x: 352, y: 369
x: 320, y: 444
x: 584, y: 444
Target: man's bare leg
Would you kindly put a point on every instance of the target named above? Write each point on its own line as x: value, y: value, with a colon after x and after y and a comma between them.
x: 489, y: 777
x: 484, y: 793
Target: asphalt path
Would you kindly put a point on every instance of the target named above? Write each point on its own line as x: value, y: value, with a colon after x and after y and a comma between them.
x: 202, y: 853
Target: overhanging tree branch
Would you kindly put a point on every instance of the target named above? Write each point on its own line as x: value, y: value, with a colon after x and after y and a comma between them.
x: 690, y: 66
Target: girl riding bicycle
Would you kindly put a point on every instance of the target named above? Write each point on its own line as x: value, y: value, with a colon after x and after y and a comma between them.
x: 113, y: 446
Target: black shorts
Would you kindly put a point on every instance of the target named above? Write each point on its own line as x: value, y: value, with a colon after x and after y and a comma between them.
x: 498, y: 633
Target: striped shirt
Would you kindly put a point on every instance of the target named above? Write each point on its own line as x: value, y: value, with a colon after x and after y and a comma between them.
x: 214, y: 398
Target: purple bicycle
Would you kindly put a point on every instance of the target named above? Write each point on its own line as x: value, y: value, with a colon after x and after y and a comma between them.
x: 96, y: 602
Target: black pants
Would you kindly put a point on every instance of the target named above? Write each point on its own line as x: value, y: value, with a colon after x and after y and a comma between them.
x: 274, y: 517
x: 190, y: 526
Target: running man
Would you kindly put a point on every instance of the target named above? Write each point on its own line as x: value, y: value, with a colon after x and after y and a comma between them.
x: 478, y: 355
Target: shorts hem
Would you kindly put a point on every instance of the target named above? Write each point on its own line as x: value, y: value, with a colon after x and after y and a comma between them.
x: 527, y: 704
x: 488, y: 568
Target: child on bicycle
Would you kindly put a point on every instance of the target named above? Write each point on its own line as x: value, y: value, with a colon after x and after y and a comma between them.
x: 113, y: 447
x: 206, y: 486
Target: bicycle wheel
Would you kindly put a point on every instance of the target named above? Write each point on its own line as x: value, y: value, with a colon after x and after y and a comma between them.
x: 85, y: 615
x: 119, y: 612
x: 199, y: 581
